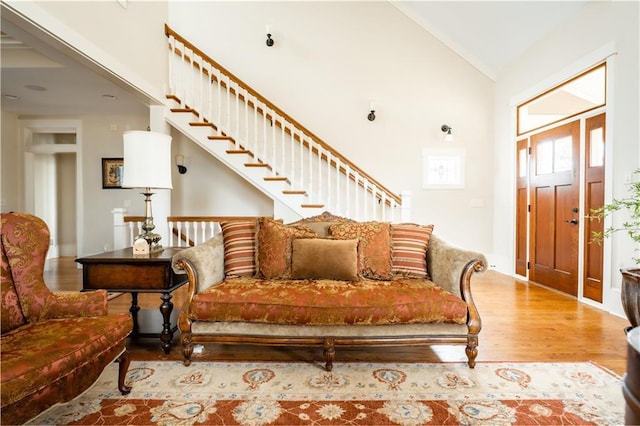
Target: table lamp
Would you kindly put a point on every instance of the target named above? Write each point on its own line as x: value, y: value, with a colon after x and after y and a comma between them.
x: 147, y: 165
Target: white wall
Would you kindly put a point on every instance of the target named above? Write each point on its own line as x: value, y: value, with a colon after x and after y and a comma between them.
x: 579, y: 44
x: 10, y: 171
x: 330, y: 59
x: 209, y: 188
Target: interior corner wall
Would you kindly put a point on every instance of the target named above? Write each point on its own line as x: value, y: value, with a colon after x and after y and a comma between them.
x: 598, y: 24
x: 330, y: 59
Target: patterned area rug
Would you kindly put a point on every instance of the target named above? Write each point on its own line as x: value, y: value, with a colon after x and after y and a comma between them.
x: 255, y: 394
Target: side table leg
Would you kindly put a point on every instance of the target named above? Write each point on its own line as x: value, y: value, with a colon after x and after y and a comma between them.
x: 167, y: 334
x: 134, y: 313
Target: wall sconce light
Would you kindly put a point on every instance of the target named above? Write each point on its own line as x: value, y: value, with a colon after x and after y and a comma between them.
x: 446, y: 129
x: 269, y: 39
x: 372, y: 111
x: 180, y: 163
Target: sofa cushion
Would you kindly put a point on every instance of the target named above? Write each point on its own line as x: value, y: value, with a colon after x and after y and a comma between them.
x: 328, y: 302
x: 239, y: 239
x: 324, y: 259
x: 374, y: 246
x: 409, y: 244
x: 39, y: 355
x: 274, y: 247
x: 12, y: 316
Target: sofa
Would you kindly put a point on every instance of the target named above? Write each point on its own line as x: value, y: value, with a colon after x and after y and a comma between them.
x: 53, y: 345
x: 328, y: 281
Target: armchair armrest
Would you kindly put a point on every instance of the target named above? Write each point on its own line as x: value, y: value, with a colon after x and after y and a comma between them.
x: 206, y: 260
x: 448, y: 264
x: 204, y: 265
x: 75, y: 304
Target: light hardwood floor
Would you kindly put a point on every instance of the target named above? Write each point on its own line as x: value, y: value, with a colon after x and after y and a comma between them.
x: 521, y: 322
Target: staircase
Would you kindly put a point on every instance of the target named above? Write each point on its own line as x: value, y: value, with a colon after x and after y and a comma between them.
x: 265, y: 146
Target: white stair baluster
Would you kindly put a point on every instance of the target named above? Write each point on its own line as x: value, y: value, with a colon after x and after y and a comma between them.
x: 219, y: 101
x: 319, y: 190
x: 283, y: 134
x: 172, y: 42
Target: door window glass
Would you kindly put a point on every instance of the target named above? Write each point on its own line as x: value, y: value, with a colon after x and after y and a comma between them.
x: 596, y: 147
x: 576, y: 96
x: 522, y: 162
x: 544, y: 158
x: 562, y: 160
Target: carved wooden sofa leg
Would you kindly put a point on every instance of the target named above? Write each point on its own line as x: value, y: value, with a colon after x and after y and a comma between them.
x: 472, y: 350
x: 329, y: 353
x: 123, y: 366
x: 187, y: 348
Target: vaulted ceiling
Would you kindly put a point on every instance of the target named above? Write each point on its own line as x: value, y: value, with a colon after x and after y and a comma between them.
x: 40, y: 79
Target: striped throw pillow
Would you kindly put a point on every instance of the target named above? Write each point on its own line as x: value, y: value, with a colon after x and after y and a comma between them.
x: 239, y: 239
x: 409, y: 244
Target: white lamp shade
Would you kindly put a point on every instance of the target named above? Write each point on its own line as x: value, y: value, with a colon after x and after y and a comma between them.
x: 147, y: 160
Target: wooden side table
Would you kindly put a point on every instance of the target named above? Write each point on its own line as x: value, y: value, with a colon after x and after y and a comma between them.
x: 121, y: 271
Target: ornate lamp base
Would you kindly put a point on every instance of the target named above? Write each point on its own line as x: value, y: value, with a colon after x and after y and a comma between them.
x: 152, y: 240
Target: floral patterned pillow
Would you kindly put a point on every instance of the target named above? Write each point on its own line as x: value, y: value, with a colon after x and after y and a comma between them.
x: 274, y: 247
x: 374, y: 247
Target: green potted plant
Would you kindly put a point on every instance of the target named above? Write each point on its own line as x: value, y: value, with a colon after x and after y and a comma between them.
x: 630, y: 276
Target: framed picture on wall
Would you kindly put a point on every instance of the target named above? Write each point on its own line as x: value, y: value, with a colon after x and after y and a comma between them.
x: 112, y: 173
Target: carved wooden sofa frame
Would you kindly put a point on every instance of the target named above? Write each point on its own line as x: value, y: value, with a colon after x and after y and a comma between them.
x: 449, y: 267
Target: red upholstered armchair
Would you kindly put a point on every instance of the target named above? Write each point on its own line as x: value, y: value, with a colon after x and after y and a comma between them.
x: 53, y: 345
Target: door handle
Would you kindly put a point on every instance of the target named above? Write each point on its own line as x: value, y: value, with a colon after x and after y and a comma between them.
x: 572, y: 221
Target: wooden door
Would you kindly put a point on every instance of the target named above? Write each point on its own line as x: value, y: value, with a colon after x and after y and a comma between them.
x: 555, y: 213
x: 522, y: 205
x: 594, y: 198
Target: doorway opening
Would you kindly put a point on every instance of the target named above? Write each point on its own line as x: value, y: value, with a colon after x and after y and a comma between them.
x: 52, y: 176
x: 560, y: 178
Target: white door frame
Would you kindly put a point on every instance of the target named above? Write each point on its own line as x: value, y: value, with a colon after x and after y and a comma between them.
x: 27, y: 151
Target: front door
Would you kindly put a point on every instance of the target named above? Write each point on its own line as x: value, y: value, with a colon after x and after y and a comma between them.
x: 555, y: 213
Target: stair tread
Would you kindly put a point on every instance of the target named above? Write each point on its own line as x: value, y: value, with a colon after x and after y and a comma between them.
x: 312, y: 206
x: 276, y: 178
x: 220, y: 138
x: 294, y: 192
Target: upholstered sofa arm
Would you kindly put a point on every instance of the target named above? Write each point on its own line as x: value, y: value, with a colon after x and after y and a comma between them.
x: 206, y: 260
x: 75, y: 304
x: 447, y: 264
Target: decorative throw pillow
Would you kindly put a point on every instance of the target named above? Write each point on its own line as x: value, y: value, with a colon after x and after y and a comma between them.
x: 319, y: 258
x: 409, y: 245
x: 274, y: 247
x: 374, y: 247
x: 239, y: 239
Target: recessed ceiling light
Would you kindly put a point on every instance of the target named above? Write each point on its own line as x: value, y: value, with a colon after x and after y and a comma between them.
x: 11, y: 97
x: 35, y: 87
x: 109, y: 97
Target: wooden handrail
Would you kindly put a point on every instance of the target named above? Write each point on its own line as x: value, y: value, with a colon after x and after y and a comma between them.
x: 170, y: 32
x: 196, y: 218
